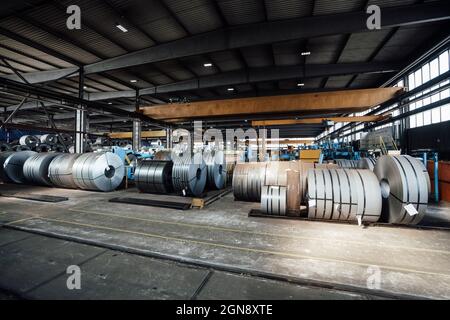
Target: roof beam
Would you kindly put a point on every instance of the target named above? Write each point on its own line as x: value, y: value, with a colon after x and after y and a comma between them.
x: 344, y: 101
x: 271, y: 32
x: 44, y: 76
x: 286, y: 122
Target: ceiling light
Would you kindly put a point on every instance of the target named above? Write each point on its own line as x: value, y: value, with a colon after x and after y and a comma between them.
x: 121, y: 28
x: 306, y: 53
x: 230, y: 89
x: 109, y: 102
x: 208, y: 65
x: 84, y: 87
x: 133, y: 81
x: 300, y: 84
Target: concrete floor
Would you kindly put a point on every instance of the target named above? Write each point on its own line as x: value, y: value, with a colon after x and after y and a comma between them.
x: 203, y: 253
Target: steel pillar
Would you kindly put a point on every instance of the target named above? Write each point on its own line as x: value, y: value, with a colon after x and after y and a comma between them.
x: 81, y: 121
x: 136, y: 134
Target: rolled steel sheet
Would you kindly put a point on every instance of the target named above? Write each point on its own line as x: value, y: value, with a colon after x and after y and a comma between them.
x: 248, y: 178
x: 13, y: 165
x: 43, y: 148
x: 344, y: 163
x: 343, y: 194
x: 49, y: 139
x: 29, y: 141
x: 35, y: 168
x: 60, y: 170
x: 274, y: 200
x: 154, y: 176
x: 189, y: 175
x: 20, y: 148
x: 102, y: 171
x: 367, y: 163
x: 404, y: 188
x: 3, y: 156
x: 58, y: 148
x: 216, y: 169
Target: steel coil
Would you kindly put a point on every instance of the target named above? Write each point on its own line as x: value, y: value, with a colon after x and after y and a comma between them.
x: 343, y: 194
x: 60, y: 170
x: 43, y: 148
x: 20, y: 148
x: 35, y: 168
x: 367, y: 163
x: 189, y: 175
x: 29, y: 141
x: 274, y: 200
x: 404, y: 187
x: 13, y: 165
x: 3, y: 156
x: 102, y: 171
x: 49, y: 139
x: 248, y: 178
x: 216, y: 169
x: 65, y: 138
x: 58, y: 148
x: 344, y: 163
x: 154, y: 176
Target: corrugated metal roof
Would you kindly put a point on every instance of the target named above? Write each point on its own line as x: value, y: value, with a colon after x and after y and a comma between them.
x: 324, y: 49
x: 242, y: 11
x: 288, y: 9
x: 258, y: 56
x: 323, y: 7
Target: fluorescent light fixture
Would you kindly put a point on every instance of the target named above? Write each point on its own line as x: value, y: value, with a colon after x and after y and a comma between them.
x: 109, y: 102
x: 306, y: 53
x: 300, y: 84
x: 133, y: 81
x: 230, y: 89
x: 84, y: 87
x: 208, y: 65
x: 121, y: 27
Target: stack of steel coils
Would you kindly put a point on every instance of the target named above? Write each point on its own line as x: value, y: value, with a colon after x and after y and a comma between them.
x: 3, y: 156
x: 189, y: 175
x: 98, y: 171
x: 20, y: 147
x: 404, y: 183
x: 274, y: 200
x: 344, y: 163
x: 343, y: 194
x: 29, y: 141
x: 154, y: 176
x: 248, y: 178
x: 60, y: 170
x: 216, y: 169
x: 35, y: 168
x: 49, y: 139
x: 43, y: 148
x: 367, y: 163
x: 13, y: 165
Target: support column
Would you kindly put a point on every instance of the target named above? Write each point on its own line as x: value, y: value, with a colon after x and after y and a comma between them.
x: 81, y: 121
x: 136, y: 134
x: 169, y: 142
x: 262, y: 145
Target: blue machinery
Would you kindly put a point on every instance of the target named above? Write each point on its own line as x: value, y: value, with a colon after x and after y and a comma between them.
x: 434, y: 156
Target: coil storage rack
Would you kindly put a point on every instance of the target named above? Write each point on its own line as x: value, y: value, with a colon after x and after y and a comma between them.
x: 102, y: 171
x: 154, y: 176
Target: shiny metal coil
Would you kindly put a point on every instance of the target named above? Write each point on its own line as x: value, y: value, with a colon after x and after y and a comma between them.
x: 274, y: 200
x: 404, y: 181
x: 43, y: 148
x: 35, y: 168
x: 49, y: 139
x: 216, y: 169
x: 367, y: 163
x: 13, y: 165
x: 345, y: 163
x: 343, y: 194
x: 189, y: 175
x: 60, y: 170
x: 154, y: 176
x: 248, y: 178
x: 29, y: 141
x: 3, y: 156
x: 102, y: 171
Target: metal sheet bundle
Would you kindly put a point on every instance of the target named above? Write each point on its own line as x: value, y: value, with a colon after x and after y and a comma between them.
x: 344, y: 163
x: 98, y: 171
x: 189, y: 175
x: 35, y: 168
x: 248, y: 178
x: 274, y: 200
x: 13, y: 165
x: 343, y: 194
x: 29, y: 141
x: 154, y: 176
x: 367, y: 163
x: 404, y: 188
x: 216, y: 169
x: 60, y: 170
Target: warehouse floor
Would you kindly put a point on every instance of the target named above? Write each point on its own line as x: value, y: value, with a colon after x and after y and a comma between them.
x: 217, y: 252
